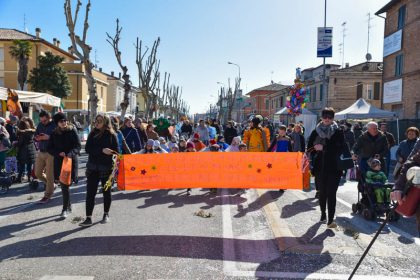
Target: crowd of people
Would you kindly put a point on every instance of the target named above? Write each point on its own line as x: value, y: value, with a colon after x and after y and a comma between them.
x: 55, y: 138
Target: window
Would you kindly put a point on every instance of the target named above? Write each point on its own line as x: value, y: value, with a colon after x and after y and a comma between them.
x: 1, y: 54
x: 1, y: 82
x: 314, y: 94
x: 401, y: 17
x: 359, y: 93
x: 398, y: 109
x: 376, y: 90
x: 399, y: 64
x: 321, y: 92
x: 267, y: 104
x: 369, y: 92
x: 281, y: 101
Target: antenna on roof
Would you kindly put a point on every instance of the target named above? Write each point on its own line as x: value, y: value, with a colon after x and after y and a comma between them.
x: 96, y: 58
x: 368, y: 55
x: 344, y: 29
x: 24, y: 24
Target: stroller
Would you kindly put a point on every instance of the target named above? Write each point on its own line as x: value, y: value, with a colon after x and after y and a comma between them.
x: 367, y: 205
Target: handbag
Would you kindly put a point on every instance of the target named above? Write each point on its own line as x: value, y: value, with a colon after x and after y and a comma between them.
x: 344, y: 160
x: 65, y: 174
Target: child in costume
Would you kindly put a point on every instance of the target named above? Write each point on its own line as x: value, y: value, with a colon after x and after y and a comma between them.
x: 378, y: 179
x: 257, y: 138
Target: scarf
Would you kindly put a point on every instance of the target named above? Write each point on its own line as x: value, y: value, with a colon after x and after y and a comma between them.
x: 326, y: 131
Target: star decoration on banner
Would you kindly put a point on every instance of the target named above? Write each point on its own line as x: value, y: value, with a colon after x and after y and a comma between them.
x: 154, y: 167
x: 269, y: 165
x: 259, y: 170
x: 249, y: 165
x: 133, y: 168
x: 143, y: 172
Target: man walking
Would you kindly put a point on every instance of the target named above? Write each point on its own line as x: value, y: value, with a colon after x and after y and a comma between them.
x: 44, y: 164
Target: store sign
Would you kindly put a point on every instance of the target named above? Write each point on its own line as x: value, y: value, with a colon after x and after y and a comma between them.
x: 393, y: 91
x: 392, y: 43
x: 325, y: 36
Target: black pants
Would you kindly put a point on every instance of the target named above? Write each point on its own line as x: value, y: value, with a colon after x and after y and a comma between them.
x: 93, y: 179
x: 328, y: 185
x: 65, y: 190
x: 21, y: 169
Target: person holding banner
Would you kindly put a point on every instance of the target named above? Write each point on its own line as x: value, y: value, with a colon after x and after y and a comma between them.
x: 326, y: 144
x: 257, y: 138
x: 101, y: 145
x: 64, y: 145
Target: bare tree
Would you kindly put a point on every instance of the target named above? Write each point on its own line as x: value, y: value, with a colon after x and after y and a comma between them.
x: 114, y: 42
x: 231, y: 98
x: 148, y: 70
x: 84, y: 53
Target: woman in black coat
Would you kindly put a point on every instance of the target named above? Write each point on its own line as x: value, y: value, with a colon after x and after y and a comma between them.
x: 230, y: 132
x: 101, y: 145
x: 26, y: 151
x: 326, y: 143
x: 64, y: 142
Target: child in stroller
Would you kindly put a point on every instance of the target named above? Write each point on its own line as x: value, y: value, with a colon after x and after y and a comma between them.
x: 377, y: 180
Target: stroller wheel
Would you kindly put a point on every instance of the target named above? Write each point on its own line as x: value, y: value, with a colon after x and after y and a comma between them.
x: 354, y: 208
x: 393, y: 216
x: 368, y: 214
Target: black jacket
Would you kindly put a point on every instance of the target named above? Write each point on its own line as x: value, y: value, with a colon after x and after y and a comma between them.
x: 95, y: 143
x: 12, y: 129
x: 326, y: 160
x: 349, y: 138
x: 26, y: 151
x: 367, y: 146
x: 67, y: 142
x: 230, y: 133
x: 187, y: 129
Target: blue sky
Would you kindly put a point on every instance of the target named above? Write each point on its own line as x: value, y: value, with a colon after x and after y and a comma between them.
x: 267, y: 38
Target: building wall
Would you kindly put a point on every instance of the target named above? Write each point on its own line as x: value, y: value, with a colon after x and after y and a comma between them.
x: 258, y: 102
x: 410, y: 104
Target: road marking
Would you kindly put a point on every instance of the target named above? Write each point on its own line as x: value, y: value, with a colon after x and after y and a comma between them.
x: 72, y: 277
x: 390, y: 226
x: 230, y: 267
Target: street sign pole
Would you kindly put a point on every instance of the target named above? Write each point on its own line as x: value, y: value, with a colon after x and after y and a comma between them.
x: 324, y: 89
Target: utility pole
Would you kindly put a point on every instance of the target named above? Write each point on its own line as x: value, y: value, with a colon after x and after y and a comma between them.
x: 343, y: 30
x: 324, y: 87
x: 369, y: 27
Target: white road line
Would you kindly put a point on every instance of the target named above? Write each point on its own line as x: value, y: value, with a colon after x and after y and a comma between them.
x: 390, y: 226
x: 228, y: 246
x: 72, y: 277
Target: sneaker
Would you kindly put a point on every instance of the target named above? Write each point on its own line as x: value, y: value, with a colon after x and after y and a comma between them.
x: 86, y: 223
x: 188, y: 191
x: 331, y: 224
x: 323, y: 218
x: 64, y: 214
x: 44, y: 200
x: 281, y: 191
x: 105, y: 219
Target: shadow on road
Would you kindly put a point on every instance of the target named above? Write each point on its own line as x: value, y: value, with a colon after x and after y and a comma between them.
x: 259, y: 203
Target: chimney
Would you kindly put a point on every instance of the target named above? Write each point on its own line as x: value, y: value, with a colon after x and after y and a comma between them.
x: 55, y: 41
x: 100, y: 69
x: 38, y: 32
x: 347, y: 65
x: 119, y: 75
x: 58, y: 43
x: 112, y: 73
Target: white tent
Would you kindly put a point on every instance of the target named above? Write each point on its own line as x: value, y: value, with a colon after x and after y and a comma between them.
x: 363, y: 110
x: 308, y: 118
x: 33, y: 97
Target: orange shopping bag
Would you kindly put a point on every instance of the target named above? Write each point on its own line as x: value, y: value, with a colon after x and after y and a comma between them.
x: 65, y: 174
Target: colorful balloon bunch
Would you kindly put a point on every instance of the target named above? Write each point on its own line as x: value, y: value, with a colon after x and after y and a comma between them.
x: 297, y: 98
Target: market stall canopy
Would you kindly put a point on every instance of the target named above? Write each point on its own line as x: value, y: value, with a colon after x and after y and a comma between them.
x: 33, y: 97
x: 363, y: 110
x: 284, y: 112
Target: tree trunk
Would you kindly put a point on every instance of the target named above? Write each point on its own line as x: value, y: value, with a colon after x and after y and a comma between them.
x: 127, y: 90
x: 93, y: 98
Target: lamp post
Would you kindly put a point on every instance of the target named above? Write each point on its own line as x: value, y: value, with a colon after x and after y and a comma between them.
x: 239, y: 69
x: 236, y: 91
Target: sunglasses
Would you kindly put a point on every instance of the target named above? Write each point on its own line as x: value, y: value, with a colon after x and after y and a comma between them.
x: 62, y: 121
x: 327, y: 117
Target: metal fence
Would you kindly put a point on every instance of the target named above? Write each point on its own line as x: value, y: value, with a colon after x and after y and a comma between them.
x: 403, y: 125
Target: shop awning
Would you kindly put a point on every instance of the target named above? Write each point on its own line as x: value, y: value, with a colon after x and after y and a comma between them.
x: 33, y: 97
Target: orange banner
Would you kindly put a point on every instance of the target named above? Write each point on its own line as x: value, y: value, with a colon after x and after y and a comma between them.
x: 213, y: 170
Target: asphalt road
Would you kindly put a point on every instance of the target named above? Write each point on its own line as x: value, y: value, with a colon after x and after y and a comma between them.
x: 156, y: 235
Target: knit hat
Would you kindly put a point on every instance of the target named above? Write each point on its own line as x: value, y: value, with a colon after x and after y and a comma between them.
x: 150, y: 142
x: 413, y: 174
x: 214, y: 148
x: 375, y: 162
x: 190, y: 145
x: 212, y: 142
x: 196, y: 136
x: 162, y: 139
x: 220, y: 137
x: 156, y: 144
x: 13, y: 118
x: 58, y: 117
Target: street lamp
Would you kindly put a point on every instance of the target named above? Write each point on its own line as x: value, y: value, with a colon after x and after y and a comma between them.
x: 239, y: 68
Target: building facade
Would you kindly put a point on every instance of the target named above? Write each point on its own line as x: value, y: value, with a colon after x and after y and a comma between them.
x: 313, y: 80
x: 401, y: 77
x: 277, y: 101
x: 115, y: 95
x: 346, y: 85
x: 260, y: 98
